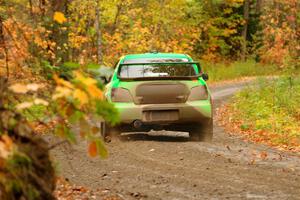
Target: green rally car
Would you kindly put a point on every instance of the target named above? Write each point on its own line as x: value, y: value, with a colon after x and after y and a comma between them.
x: 160, y: 91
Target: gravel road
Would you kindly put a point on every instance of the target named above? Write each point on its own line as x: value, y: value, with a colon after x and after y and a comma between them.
x: 165, y: 165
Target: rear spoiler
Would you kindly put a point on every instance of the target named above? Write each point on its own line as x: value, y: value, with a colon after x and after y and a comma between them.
x: 161, y: 78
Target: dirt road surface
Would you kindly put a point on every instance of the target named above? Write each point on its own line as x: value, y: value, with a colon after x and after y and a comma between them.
x: 165, y: 165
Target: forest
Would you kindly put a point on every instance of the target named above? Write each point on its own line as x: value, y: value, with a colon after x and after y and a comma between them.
x: 49, y: 47
x: 101, y: 32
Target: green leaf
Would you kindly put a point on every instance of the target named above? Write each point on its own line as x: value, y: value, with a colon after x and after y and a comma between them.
x: 65, y: 132
x: 244, y: 127
x: 107, y: 111
x: 76, y: 116
x: 93, y: 66
x: 71, y: 65
x: 70, y: 135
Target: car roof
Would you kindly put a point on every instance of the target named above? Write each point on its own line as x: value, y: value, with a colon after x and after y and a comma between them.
x: 156, y: 55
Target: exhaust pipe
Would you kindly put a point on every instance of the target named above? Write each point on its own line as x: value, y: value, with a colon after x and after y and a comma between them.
x: 137, y: 124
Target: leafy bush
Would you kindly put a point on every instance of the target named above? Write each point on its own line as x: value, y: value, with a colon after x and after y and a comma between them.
x: 272, y: 106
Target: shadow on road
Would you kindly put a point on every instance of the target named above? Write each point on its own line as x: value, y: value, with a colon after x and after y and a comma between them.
x: 154, y: 137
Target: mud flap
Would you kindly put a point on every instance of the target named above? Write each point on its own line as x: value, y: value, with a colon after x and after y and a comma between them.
x: 202, y: 132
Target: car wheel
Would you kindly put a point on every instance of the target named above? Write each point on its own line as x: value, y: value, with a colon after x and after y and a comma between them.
x: 202, y: 132
x: 107, y: 131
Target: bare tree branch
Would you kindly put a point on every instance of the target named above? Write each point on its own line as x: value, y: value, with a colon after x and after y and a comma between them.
x: 58, y: 144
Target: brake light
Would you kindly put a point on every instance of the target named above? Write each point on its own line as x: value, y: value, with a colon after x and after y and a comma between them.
x: 198, y: 93
x: 120, y: 95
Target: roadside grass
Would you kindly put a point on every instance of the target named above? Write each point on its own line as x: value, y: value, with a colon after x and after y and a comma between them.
x: 267, y: 112
x: 236, y: 70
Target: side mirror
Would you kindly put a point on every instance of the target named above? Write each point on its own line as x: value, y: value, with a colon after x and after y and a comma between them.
x: 109, y: 79
x: 205, y: 76
x: 105, y: 80
x: 199, y: 68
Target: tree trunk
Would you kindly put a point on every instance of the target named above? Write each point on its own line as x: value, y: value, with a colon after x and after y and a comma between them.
x: 258, y: 7
x: 30, y: 8
x: 37, y: 177
x: 98, y: 31
x: 114, y: 26
x: 59, y: 36
x: 245, y: 29
x: 1, y: 33
x: 59, y: 5
x: 42, y: 5
x: 3, y: 46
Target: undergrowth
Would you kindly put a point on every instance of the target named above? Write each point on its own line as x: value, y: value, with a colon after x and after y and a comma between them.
x: 238, y: 69
x: 271, y: 106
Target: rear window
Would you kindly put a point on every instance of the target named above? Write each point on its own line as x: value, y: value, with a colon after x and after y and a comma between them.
x: 157, y: 70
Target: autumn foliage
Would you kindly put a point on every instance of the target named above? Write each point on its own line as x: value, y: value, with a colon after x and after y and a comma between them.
x: 281, y: 34
x: 212, y: 30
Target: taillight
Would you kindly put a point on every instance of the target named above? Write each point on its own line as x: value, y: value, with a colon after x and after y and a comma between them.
x: 198, y: 93
x: 120, y: 95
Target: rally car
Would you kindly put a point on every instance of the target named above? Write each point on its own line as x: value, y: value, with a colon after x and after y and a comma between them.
x: 160, y: 91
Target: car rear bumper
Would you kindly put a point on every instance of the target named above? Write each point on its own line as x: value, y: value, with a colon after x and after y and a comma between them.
x: 193, y: 111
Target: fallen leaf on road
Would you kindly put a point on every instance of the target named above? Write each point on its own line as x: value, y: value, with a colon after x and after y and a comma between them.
x: 228, y: 147
x: 263, y: 155
x: 252, y: 162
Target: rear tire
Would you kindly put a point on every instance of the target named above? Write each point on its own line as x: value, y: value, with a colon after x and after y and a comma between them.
x: 202, y: 131
x: 107, y: 131
x: 104, y: 130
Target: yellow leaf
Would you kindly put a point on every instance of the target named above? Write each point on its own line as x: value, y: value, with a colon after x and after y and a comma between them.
x: 85, y: 80
x: 59, y: 17
x: 61, y: 92
x: 95, y: 92
x: 38, y: 101
x: 19, y: 88
x: 81, y: 96
x: 60, y: 81
x: 6, y: 146
x: 8, y: 142
x: 228, y: 11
